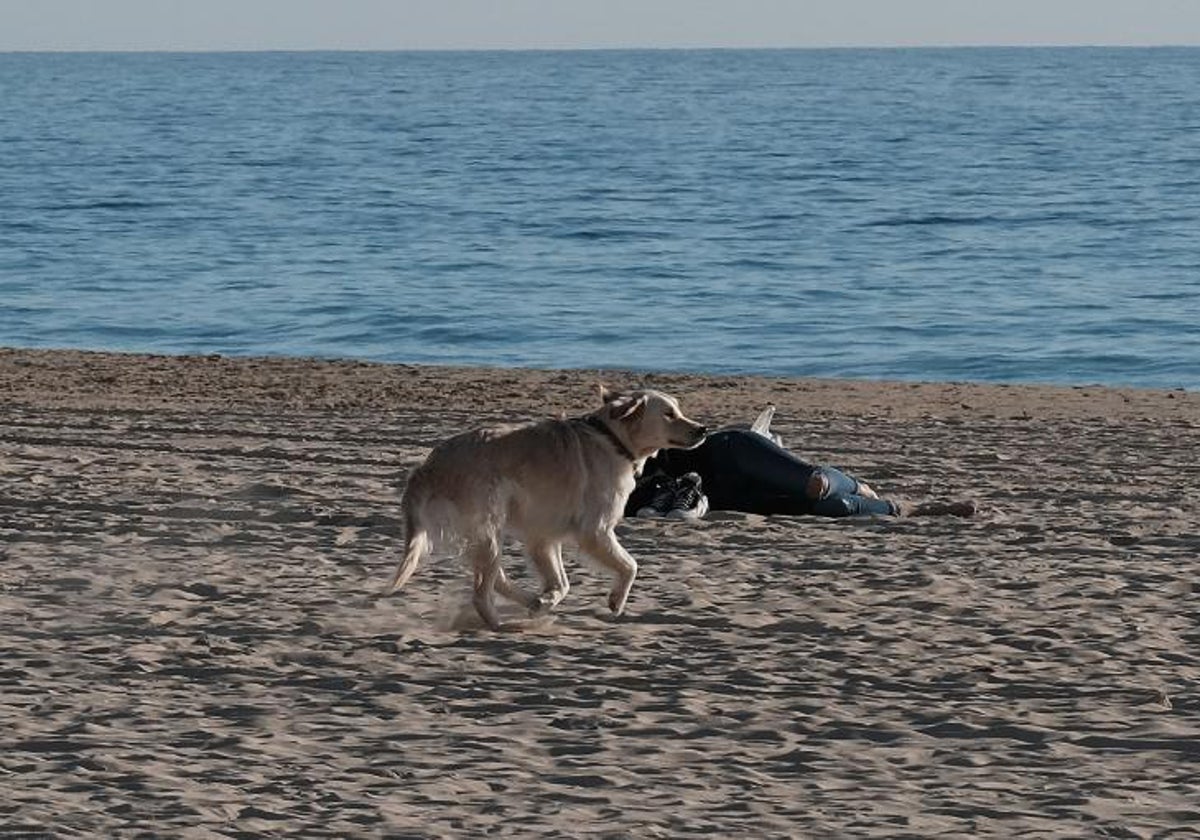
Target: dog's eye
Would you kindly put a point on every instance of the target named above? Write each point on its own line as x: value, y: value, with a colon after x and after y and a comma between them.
x: 671, y: 415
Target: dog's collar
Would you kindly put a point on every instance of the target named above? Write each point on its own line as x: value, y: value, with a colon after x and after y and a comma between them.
x: 602, y: 427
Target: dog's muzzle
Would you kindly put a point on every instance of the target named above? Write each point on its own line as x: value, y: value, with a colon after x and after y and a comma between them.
x: 697, y: 437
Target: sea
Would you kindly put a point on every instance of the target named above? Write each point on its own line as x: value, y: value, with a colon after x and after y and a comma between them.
x: 985, y: 215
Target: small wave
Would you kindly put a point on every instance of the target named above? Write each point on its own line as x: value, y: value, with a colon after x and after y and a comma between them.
x: 107, y: 204
x: 20, y: 226
x: 607, y: 234
x: 458, y: 334
x: 951, y: 219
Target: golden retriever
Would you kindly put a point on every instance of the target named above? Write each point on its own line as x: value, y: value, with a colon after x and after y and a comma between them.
x: 545, y: 483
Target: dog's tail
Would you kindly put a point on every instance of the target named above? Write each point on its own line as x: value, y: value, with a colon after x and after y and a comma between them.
x: 416, y: 545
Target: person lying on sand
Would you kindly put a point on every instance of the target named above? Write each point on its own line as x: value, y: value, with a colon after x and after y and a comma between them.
x: 748, y: 470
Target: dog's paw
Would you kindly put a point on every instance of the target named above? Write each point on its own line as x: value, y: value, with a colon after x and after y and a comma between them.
x: 548, y: 600
x: 616, y: 603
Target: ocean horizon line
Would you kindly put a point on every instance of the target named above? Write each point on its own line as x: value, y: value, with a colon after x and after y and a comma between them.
x: 681, y: 48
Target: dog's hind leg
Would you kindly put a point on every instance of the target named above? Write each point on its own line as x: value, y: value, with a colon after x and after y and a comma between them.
x: 515, y: 593
x: 547, y: 557
x: 605, y: 549
x: 485, y: 563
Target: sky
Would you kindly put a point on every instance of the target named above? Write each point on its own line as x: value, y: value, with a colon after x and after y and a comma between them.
x: 575, y: 24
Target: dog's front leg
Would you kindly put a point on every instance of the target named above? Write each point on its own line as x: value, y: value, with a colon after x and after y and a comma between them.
x: 612, y: 555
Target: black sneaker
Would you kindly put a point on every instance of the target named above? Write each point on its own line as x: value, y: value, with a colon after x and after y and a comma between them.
x: 661, y: 501
x: 688, y: 502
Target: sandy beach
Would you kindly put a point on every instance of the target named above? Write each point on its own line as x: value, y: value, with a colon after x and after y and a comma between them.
x: 193, y: 644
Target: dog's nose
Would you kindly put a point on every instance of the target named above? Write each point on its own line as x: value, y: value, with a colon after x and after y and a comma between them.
x: 702, y: 431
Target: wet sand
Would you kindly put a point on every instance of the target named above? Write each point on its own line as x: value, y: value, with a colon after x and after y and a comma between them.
x: 191, y: 551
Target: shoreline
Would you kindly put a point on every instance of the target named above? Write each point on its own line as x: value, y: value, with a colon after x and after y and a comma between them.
x: 84, y: 377
x: 191, y: 550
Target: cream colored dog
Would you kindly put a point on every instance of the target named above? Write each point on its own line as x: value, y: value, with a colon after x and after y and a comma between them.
x: 545, y: 483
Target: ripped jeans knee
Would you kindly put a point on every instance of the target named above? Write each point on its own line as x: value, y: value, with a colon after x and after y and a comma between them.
x: 833, y: 493
x: 828, y: 481
x: 818, y: 486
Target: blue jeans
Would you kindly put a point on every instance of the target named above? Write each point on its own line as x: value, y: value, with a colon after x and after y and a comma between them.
x: 747, y: 472
x: 843, y: 499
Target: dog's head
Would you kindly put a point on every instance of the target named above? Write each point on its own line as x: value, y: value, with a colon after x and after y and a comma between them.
x: 649, y: 421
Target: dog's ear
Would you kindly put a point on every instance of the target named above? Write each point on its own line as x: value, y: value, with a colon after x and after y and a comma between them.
x: 609, y: 396
x: 628, y: 408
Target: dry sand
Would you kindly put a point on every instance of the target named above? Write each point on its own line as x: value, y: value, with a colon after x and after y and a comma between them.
x: 190, y: 551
